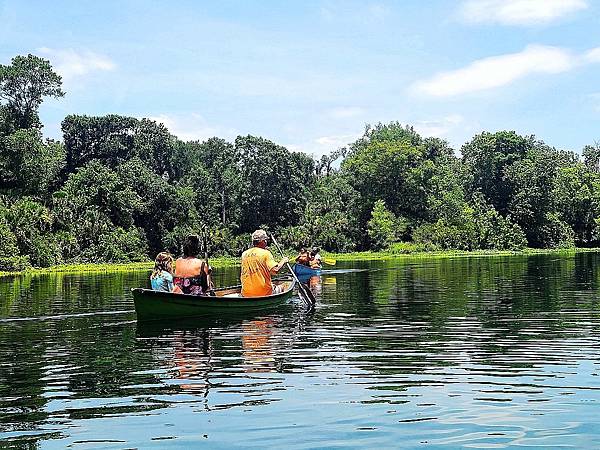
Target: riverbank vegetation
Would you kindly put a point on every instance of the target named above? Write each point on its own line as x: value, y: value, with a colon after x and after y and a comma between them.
x: 120, y: 189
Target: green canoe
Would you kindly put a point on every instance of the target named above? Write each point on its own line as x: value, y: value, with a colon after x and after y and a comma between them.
x: 151, y: 304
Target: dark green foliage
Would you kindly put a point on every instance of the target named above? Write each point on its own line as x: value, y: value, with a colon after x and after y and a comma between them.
x: 274, y: 182
x: 117, y: 246
x: 213, y: 173
x: 381, y: 228
x: 31, y: 224
x: 115, y: 139
x: 476, y: 226
x: 487, y: 157
x: 418, y: 179
x: 29, y: 166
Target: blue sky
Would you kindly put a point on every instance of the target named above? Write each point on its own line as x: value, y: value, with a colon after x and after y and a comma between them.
x: 310, y: 74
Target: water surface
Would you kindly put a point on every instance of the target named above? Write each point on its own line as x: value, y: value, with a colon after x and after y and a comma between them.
x: 484, y: 352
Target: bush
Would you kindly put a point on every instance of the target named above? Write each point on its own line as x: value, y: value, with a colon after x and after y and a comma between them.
x: 476, y: 227
x: 118, y: 246
x: 44, y: 250
x: 8, y: 241
x: 555, y: 233
x: 382, y: 226
x: 405, y: 248
x: 14, y: 263
x: 447, y: 236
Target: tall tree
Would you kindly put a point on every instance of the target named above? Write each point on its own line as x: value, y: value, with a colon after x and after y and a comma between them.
x: 487, y: 156
x: 23, y: 85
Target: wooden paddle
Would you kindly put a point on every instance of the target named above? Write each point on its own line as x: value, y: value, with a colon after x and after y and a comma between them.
x: 211, y: 286
x: 305, y: 294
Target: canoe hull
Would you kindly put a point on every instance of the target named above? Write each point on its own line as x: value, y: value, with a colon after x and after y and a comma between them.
x: 301, y: 270
x: 150, y: 305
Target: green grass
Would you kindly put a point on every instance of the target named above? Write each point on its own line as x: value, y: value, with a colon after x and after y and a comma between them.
x: 105, y: 268
x: 355, y: 256
x: 366, y: 256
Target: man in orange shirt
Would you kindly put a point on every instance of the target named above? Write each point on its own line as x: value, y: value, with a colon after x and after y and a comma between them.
x: 257, y: 266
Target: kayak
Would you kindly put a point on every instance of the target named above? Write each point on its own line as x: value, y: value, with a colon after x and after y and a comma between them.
x: 151, y: 304
x: 302, y: 270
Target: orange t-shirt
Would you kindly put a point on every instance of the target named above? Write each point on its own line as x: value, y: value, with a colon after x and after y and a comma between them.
x: 257, y: 264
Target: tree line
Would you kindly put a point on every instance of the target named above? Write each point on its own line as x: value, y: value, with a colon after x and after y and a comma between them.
x: 120, y: 189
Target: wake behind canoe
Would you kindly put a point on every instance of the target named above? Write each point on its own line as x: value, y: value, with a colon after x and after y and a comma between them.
x: 151, y: 304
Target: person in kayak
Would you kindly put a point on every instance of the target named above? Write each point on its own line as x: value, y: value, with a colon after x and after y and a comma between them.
x: 303, y: 257
x: 192, y: 274
x: 161, y: 278
x: 258, y: 265
x: 315, y: 258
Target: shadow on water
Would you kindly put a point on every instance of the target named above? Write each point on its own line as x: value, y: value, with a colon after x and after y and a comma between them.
x: 488, y: 351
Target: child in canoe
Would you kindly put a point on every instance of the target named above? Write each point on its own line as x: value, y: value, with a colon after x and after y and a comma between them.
x: 162, y: 275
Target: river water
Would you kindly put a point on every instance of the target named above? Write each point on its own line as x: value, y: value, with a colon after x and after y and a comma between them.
x: 486, y: 352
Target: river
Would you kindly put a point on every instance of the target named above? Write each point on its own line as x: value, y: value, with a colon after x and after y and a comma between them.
x: 476, y: 352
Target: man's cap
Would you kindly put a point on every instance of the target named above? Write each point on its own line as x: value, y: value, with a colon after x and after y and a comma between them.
x: 260, y: 235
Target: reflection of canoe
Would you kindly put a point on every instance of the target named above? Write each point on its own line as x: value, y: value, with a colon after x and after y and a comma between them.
x: 151, y: 304
x: 302, y: 270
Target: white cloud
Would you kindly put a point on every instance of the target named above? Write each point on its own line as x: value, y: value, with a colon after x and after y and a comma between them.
x: 496, y: 71
x: 519, y: 12
x: 335, y: 142
x: 323, y: 145
x: 592, y: 56
x: 345, y: 112
x: 71, y: 64
x: 438, y: 128
x: 192, y: 127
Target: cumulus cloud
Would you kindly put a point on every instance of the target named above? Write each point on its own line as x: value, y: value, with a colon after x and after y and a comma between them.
x: 192, y: 127
x: 496, y: 71
x: 71, y: 64
x: 519, y: 12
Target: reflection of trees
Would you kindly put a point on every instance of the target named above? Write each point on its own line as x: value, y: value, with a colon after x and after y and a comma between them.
x: 500, y: 312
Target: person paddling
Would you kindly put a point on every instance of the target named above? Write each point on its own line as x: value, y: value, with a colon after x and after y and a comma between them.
x: 192, y: 274
x: 303, y: 257
x: 258, y: 264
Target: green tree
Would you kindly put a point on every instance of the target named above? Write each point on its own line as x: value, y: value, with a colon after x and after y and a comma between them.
x: 532, y: 204
x: 487, y: 157
x: 29, y: 166
x: 31, y: 223
x: 382, y: 226
x: 591, y: 157
x: 274, y: 183
x: 577, y: 198
x: 23, y: 85
x: 115, y: 139
x: 416, y: 178
x: 214, y: 174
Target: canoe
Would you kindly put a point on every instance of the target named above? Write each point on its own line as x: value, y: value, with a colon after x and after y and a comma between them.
x: 151, y: 304
x: 302, y: 270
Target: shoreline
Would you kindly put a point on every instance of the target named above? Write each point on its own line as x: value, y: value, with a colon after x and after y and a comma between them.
x: 354, y: 256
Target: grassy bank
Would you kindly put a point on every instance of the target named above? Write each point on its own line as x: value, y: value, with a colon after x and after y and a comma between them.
x: 366, y: 256
x: 105, y: 268
x: 355, y: 256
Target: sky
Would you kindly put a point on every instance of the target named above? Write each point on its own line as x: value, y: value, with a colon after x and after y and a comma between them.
x: 311, y: 74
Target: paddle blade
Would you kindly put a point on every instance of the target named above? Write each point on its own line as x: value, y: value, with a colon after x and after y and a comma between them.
x: 306, y: 294
x: 329, y: 261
